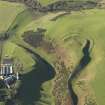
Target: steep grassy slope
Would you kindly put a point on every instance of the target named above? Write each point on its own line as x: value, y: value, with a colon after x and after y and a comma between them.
x: 11, y: 50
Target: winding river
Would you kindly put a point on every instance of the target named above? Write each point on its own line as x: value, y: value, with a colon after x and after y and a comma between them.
x: 82, y: 64
x: 30, y: 88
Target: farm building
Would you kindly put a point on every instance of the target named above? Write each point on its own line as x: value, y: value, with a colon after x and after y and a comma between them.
x: 6, y: 70
x: 7, y: 73
x: 6, y: 67
x: 9, y: 80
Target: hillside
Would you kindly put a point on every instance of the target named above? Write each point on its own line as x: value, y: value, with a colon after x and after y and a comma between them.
x: 51, y: 46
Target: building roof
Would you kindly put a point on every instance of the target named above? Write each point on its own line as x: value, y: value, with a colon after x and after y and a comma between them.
x: 6, y: 69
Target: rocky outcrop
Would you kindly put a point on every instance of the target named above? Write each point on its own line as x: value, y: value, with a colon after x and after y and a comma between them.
x: 101, y: 3
x: 57, y: 6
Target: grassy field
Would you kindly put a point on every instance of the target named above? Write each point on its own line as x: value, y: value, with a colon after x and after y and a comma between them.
x: 8, y: 12
x: 86, y: 24
x: 69, y: 32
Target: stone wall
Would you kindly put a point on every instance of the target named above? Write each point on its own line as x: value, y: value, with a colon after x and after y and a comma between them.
x: 69, y: 5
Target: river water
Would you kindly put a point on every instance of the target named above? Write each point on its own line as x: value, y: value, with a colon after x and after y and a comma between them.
x: 82, y: 64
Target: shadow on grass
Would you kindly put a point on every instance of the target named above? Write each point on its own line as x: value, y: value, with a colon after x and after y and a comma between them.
x: 29, y: 91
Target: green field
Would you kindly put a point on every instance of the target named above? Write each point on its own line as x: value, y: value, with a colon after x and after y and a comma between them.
x: 69, y: 32
x: 86, y: 25
x: 8, y: 12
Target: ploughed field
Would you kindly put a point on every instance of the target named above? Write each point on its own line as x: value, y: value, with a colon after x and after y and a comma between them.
x: 50, y: 46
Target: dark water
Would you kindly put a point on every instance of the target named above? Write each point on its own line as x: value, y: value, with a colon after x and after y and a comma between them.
x: 30, y: 89
x: 82, y: 64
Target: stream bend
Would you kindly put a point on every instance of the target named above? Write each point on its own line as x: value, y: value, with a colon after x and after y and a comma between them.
x: 82, y: 64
